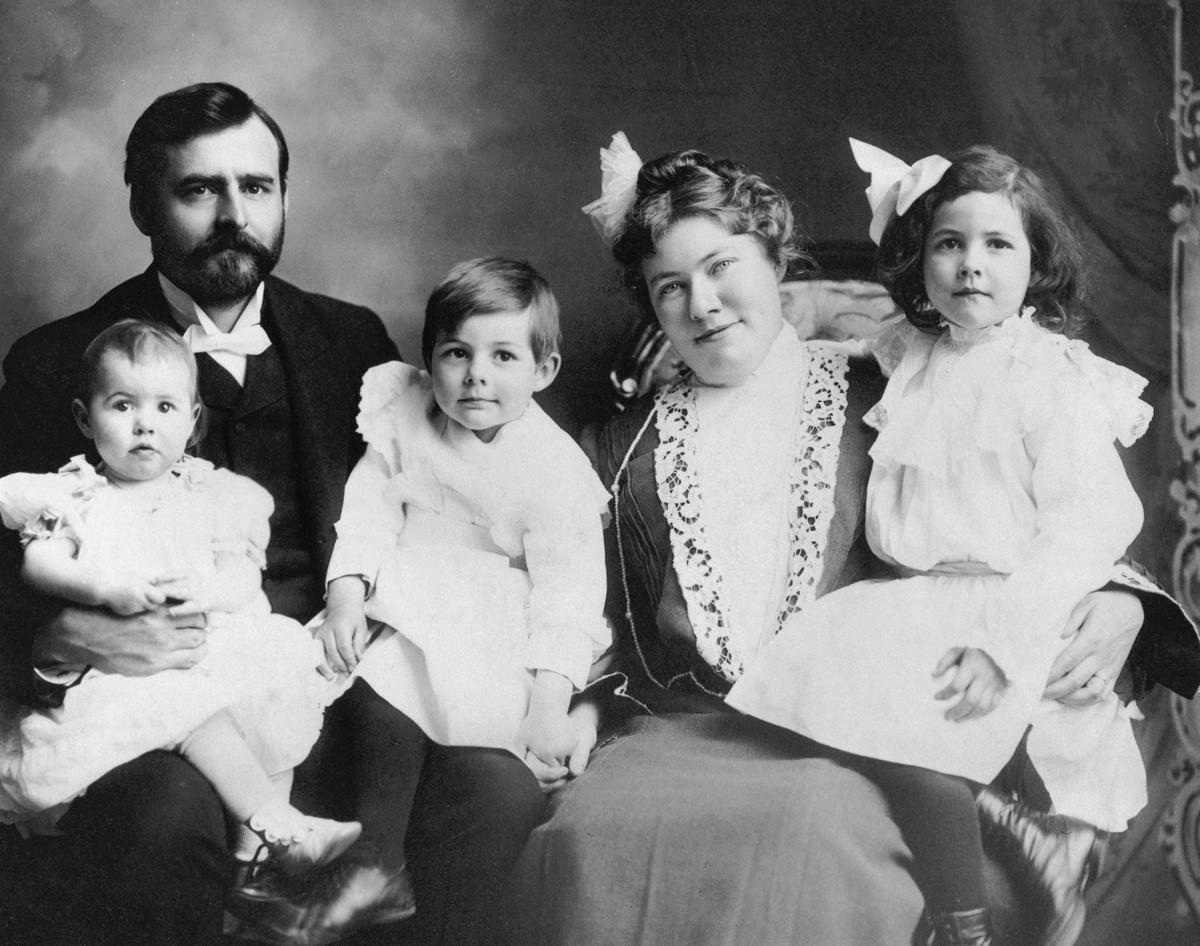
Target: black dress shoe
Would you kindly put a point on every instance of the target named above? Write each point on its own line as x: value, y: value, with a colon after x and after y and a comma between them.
x: 354, y: 894
x: 348, y: 896
x: 266, y: 904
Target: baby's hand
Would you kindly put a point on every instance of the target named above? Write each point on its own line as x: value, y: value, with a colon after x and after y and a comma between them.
x: 124, y: 594
x: 978, y: 678
x: 343, y: 635
x: 186, y: 592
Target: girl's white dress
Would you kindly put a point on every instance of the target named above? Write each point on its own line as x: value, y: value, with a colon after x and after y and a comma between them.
x: 485, y: 561
x: 260, y: 666
x: 998, y: 492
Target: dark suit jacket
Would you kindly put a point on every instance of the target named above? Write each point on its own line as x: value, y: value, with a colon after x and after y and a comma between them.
x: 325, y: 346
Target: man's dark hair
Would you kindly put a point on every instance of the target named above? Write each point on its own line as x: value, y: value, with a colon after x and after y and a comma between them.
x: 178, y: 117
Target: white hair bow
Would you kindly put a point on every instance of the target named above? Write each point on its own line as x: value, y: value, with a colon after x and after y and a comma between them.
x: 619, y: 167
x: 894, y: 185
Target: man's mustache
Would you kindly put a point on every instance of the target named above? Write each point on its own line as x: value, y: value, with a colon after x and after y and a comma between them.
x: 232, y: 240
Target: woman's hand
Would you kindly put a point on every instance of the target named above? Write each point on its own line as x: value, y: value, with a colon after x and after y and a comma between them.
x: 976, y: 676
x: 1102, y: 629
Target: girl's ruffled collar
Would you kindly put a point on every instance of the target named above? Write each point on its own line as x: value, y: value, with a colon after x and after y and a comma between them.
x: 1012, y: 326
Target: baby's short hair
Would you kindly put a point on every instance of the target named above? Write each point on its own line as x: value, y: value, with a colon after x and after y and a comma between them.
x: 489, y: 285
x: 136, y: 339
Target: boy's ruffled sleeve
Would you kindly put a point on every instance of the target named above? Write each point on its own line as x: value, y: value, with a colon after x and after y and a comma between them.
x: 392, y: 397
x: 564, y: 553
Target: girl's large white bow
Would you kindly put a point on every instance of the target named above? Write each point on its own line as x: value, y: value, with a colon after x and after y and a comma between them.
x: 619, y: 167
x: 894, y: 185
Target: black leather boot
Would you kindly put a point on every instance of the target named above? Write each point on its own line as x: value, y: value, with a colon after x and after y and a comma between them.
x: 961, y: 928
x: 1052, y: 857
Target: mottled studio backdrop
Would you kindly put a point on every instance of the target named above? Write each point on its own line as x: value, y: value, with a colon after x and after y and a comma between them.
x: 424, y: 132
x: 428, y: 131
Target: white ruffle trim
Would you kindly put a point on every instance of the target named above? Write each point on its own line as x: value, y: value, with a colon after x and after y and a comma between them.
x: 949, y: 399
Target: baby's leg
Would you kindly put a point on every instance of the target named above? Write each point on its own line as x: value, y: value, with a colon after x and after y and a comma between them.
x: 248, y: 842
x: 217, y: 749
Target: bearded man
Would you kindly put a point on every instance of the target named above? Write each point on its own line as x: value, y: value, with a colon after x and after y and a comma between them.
x: 142, y: 856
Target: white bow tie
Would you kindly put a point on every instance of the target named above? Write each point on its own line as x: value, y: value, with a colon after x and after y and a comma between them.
x: 247, y: 340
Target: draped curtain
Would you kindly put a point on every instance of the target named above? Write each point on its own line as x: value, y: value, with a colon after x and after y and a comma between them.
x: 1082, y: 93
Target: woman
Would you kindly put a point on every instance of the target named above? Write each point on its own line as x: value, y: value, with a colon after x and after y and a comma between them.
x: 738, y: 499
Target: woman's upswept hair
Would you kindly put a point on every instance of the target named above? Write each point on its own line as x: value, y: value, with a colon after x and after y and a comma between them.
x: 139, y: 340
x: 488, y: 285
x: 691, y: 184
x: 1057, y: 259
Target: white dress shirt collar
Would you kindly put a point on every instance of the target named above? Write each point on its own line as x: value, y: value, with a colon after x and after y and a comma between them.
x: 228, y: 349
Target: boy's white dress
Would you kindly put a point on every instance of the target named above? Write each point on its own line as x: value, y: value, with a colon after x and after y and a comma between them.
x: 997, y: 490
x: 260, y: 666
x: 484, y: 560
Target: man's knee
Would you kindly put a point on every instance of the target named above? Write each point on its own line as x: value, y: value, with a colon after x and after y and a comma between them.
x: 156, y: 802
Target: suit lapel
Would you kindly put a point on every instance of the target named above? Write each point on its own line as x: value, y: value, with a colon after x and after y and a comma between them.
x: 310, y: 366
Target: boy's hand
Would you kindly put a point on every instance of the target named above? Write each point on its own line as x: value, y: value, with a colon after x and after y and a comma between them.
x: 547, y: 741
x: 343, y: 632
x: 343, y: 635
x: 584, y: 719
x: 976, y: 676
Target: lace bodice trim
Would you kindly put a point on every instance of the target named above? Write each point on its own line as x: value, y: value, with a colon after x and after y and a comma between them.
x: 813, y: 476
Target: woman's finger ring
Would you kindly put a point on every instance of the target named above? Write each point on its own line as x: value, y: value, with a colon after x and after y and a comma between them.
x: 1104, y: 681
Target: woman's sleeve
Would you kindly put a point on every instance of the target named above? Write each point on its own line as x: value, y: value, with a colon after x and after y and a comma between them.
x: 369, y: 523
x: 1167, y: 649
x: 1087, y: 514
x: 564, y: 553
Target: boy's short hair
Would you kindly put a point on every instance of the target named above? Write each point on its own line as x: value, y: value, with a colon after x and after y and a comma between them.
x: 488, y: 285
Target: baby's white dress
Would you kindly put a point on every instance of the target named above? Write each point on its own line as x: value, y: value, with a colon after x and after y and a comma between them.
x: 485, y: 561
x: 998, y: 492
x: 260, y: 666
